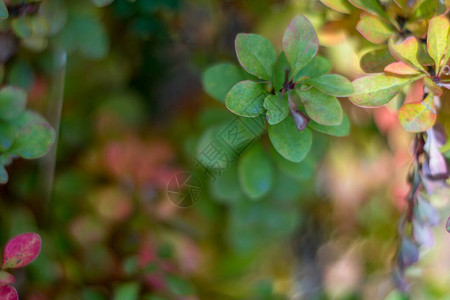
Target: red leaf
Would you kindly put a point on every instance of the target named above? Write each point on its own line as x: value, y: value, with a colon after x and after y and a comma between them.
x: 8, y: 293
x: 22, y: 250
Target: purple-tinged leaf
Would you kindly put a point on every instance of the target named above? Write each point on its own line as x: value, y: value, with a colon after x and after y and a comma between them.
x: 300, y: 119
x: 22, y: 250
x: 447, y: 226
x: 8, y: 293
x: 408, y: 253
x: 425, y: 212
x: 399, y: 280
x: 423, y: 234
x: 436, y: 160
x: 6, y: 278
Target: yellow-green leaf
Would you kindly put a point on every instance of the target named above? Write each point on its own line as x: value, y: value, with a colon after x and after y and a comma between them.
x: 371, y: 6
x: 418, y: 117
x: 374, y: 29
x: 377, y: 90
x: 341, y: 6
x: 437, y: 39
x: 406, y: 51
x: 332, y: 84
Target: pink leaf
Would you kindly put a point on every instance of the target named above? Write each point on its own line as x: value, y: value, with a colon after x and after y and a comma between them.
x: 6, y: 278
x: 22, y: 250
x: 8, y: 293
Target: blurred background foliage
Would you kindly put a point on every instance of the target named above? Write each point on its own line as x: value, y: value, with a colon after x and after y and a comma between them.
x: 135, y: 115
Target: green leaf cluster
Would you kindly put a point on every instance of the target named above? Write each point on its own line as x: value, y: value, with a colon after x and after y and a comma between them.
x: 23, y: 133
x: 293, y: 90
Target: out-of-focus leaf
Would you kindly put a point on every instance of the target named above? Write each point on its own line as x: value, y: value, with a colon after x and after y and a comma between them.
x: 299, y: 170
x: 437, y: 38
x: 374, y: 29
x: 289, y: 142
x: 322, y: 108
x: 3, y: 10
x: 342, y: 129
x: 447, y: 226
x: 425, y: 212
x: 408, y: 253
x: 3, y: 174
x: 8, y: 293
x: 375, y: 61
x: 425, y: 10
x: 437, y: 163
x: 256, y: 55
x: 422, y: 234
x: 377, y: 90
x: 246, y: 99
x: 318, y: 66
x: 277, y: 108
x: 418, y: 117
x: 400, y: 68
x: 406, y: 51
x: 338, y: 5
x: 332, y: 84
x: 255, y: 172
x: 129, y: 291
x: 370, y: 6
x: 12, y: 102
x: 300, y: 43
x: 33, y: 140
x: 179, y: 286
x: 279, y: 72
x: 21, y: 250
x: 102, y: 3
x: 219, y: 79
x: 6, y: 278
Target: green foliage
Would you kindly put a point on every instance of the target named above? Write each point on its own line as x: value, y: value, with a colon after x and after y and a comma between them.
x: 297, y: 70
x: 3, y: 10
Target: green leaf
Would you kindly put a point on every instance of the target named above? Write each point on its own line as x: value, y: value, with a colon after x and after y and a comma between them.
x: 426, y: 10
x: 246, y: 99
x: 438, y: 29
x: 377, y: 90
x: 3, y: 174
x: 255, y: 172
x: 332, y: 84
x: 277, y: 108
x: 289, y: 142
x: 256, y: 55
x: 341, y: 6
x: 374, y: 29
x: 12, y: 102
x: 318, y: 66
x: 33, y: 141
x: 3, y: 10
x: 102, y: 3
x: 179, y: 286
x: 342, y: 129
x: 128, y: 291
x: 279, y: 72
x: 418, y: 117
x: 219, y: 79
x: 371, y: 6
x: 407, y: 51
x: 300, y: 43
x: 322, y: 108
x: 375, y: 61
x: 299, y: 170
